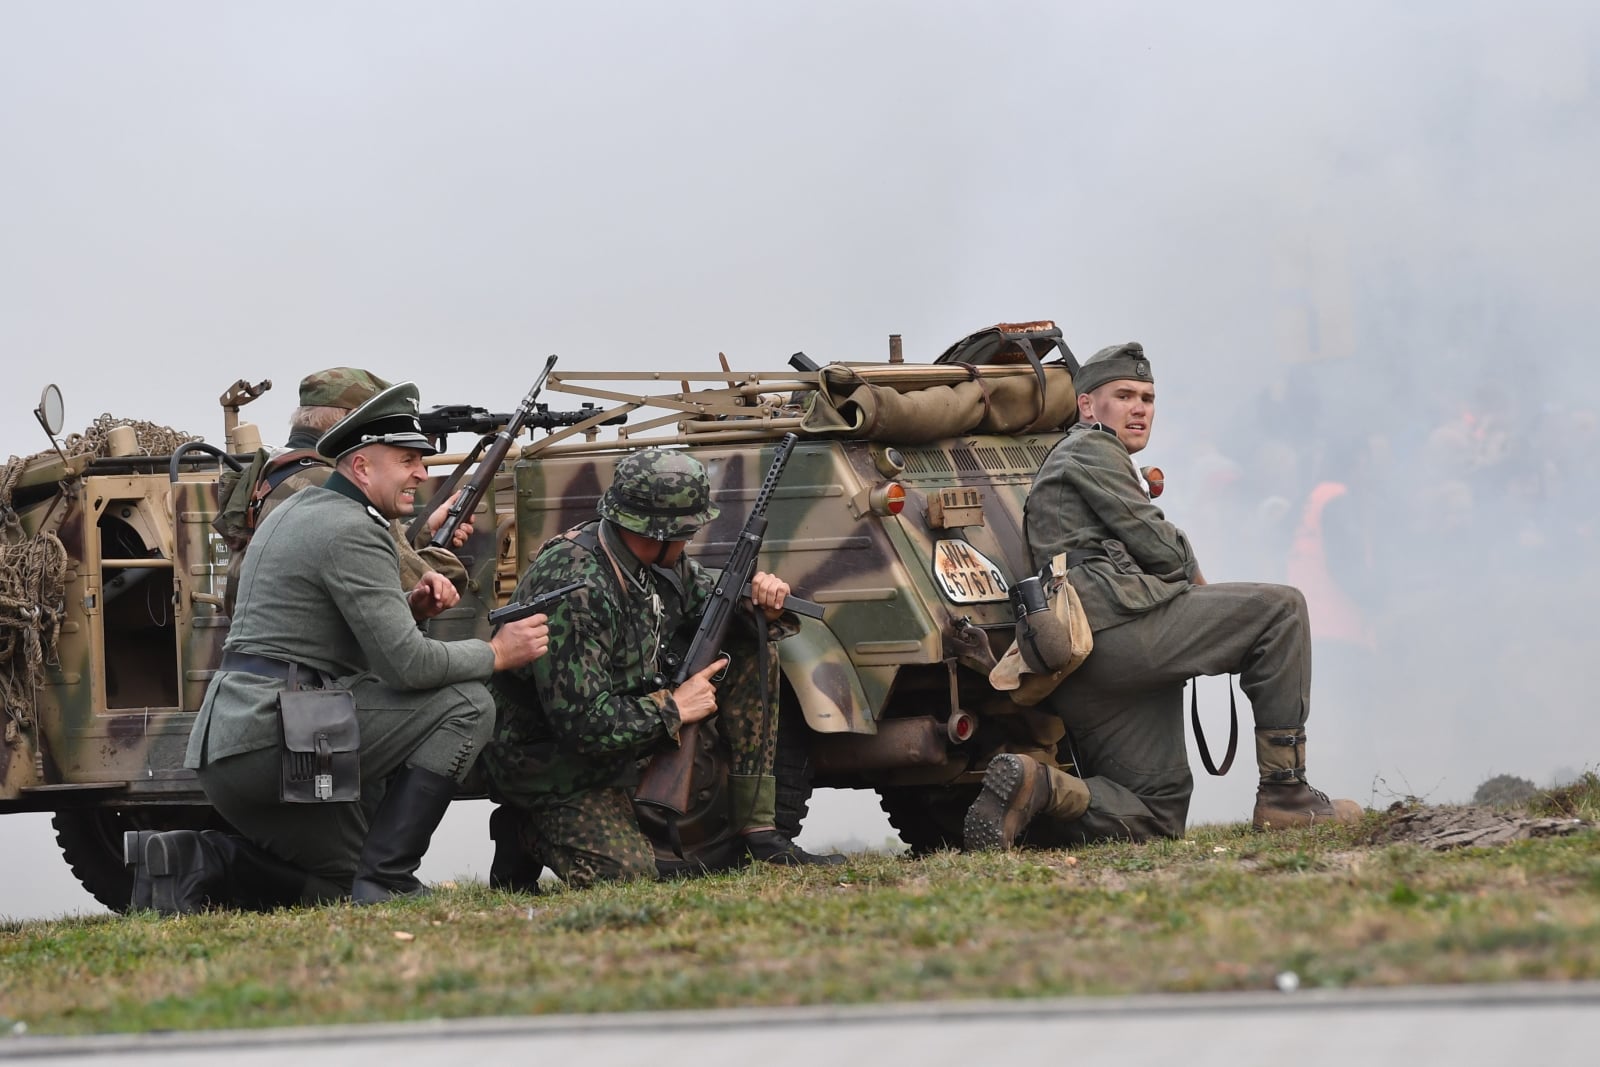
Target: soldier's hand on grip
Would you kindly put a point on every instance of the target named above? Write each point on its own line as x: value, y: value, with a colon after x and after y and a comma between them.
x: 520, y: 642
x: 768, y: 592
x: 697, y: 696
x: 440, y: 513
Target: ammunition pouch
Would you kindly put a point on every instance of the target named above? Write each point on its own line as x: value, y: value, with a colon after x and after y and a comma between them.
x: 321, y: 745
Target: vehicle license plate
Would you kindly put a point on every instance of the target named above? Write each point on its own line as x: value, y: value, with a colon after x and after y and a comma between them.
x: 966, y: 575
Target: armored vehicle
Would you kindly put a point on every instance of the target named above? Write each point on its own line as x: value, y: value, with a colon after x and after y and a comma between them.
x: 900, y: 512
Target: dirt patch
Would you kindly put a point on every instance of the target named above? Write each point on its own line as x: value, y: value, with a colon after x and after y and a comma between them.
x: 1470, y: 827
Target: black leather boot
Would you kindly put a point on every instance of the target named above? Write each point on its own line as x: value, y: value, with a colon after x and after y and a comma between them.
x: 191, y: 870
x: 401, y: 829
x: 515, y: 868
x: 185, y: 876
x: 133, y: 844
x: 257, y: 880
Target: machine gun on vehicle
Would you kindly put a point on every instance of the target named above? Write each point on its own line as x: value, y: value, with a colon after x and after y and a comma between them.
x: 489, y: 453
x: 447, y: 419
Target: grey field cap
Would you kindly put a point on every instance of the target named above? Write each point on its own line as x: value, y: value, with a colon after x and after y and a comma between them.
x: 1114, y: 364
x: 389, y: 418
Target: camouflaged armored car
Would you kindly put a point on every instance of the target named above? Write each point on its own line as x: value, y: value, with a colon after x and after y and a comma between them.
x: 899, y: 511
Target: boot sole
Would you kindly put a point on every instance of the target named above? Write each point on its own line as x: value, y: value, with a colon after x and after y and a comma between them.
x: 1297, y: 820
x: 364, y: 893
x: 985, y: 827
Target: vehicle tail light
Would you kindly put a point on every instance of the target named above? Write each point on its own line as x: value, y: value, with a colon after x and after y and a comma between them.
x: 887, y: 499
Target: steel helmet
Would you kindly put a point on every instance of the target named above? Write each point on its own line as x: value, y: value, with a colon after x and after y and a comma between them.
x: 661, y: 494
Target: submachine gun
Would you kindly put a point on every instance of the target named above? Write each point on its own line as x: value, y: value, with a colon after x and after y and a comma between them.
x: 666, y: 780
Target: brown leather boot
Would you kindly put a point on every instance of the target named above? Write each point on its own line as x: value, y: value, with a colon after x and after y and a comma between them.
x: 1016, y: 790
x: 1284, y: 798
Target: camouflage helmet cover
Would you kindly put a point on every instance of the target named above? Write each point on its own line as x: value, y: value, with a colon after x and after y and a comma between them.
x: 340, y: 387
x: 660, y: 494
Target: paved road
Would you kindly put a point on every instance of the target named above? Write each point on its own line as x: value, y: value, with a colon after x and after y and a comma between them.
x: 1461, y: 1025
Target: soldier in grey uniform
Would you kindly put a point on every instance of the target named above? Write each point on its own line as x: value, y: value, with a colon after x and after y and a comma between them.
x: 575, y: 726
x: 1156, y: 624
x: 320, y: 602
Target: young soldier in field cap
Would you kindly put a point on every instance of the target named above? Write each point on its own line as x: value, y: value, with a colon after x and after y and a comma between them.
x: 321, y: 607
x: 1156, y: 624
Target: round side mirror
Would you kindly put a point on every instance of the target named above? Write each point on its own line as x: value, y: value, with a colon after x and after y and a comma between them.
x: 50, y: 411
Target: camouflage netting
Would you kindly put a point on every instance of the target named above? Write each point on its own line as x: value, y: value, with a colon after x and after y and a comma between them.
x: 32, y: 601
x: 33, y: 569
x: 154, y: 440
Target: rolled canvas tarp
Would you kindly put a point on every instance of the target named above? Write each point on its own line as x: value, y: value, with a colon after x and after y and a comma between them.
x: 914, y: 405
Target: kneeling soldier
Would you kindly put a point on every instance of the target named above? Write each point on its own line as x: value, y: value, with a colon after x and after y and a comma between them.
x: 574, y: 726
x: 320, y: 607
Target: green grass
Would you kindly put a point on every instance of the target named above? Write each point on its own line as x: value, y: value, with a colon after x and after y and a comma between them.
x: 1223, y: 909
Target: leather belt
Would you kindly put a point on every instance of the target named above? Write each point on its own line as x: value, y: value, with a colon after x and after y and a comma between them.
x: 1079, y: 556
x: 267, y: 667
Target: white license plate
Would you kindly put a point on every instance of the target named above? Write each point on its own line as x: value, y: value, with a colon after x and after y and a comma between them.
x: 966, y: 575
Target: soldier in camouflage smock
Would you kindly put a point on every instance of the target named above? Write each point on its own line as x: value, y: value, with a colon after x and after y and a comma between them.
x: 327, y: 396
x: 574, y: 727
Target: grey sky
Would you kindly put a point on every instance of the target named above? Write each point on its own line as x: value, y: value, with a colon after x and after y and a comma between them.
x: 197, y: 192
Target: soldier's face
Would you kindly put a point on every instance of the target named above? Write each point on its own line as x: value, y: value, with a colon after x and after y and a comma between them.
x: 393, y: 475
x: 1127, y: 408
x: 668, y: 553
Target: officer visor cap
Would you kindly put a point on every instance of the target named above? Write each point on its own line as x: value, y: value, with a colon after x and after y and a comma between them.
x: 389, y: 418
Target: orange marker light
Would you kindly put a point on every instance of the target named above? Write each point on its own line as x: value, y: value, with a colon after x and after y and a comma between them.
x: 1155, y: 479
x: 887, y: 499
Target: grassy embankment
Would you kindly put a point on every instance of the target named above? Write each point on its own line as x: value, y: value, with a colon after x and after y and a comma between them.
x: 1224, y: 909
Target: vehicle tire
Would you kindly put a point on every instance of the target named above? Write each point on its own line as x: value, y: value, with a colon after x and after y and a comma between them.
x: 793, y: 766
x: 91, y: 843
x: 928, y: 818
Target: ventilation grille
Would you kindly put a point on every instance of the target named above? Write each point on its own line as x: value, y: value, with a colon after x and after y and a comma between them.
x: 982, y: 459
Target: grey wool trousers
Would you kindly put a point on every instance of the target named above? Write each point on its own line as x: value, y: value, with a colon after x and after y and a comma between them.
x: 1124, y: 707
x: 440, y: 730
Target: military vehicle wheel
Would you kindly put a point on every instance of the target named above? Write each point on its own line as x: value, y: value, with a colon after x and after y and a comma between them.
x: 91, y: 843
x: 928, y: 818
